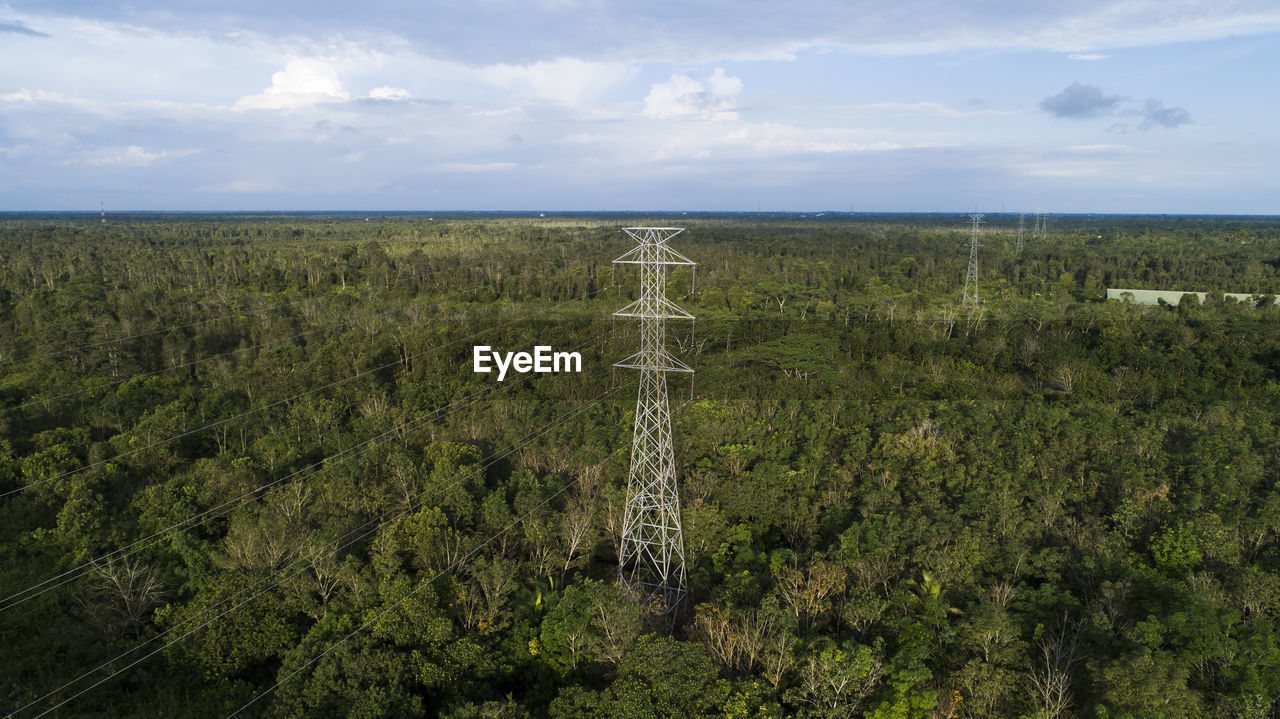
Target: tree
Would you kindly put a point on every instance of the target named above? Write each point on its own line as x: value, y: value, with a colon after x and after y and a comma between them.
x: 837, y: 681
x: 663, y: 677
x: 590, y: 624
x: 1050, y: 680
x: 123, y: 594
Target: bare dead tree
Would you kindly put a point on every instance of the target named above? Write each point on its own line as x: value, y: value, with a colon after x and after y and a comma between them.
x: 128, y: 588
x: 577, y: 525
x: 618, y: 623
x: 1051, y: 679
x: 832, y: 690
x: 712, y: 625
x: 778, y: 657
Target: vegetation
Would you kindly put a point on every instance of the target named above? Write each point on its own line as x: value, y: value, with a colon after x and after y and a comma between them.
x: 246, y: 459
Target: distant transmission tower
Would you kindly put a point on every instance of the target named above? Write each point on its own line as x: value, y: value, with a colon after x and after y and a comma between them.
x: 1040, y: 224
x: 102, y: 210
x: 970, y: 296
x: 651, y: 560
x: 1022, y: 229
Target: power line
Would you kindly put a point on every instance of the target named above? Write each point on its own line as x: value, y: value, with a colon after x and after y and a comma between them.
x: 492, y: 458
x: 74, y: 573
x: 381, y: 521
x: 459, y: 562
x: 155, y: 537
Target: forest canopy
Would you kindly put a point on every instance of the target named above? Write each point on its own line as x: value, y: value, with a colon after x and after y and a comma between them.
x: 245, y: 463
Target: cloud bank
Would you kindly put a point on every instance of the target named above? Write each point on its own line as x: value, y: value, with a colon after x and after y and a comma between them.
x: 595, y: 105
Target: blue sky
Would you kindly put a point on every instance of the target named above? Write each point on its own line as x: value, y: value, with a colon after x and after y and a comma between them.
x: 1129, y: 106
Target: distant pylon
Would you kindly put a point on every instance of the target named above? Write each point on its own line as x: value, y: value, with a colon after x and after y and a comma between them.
x: 970, y: 296
x: 102, y: 210
x: 651, y: 558
x: 1022, y: 229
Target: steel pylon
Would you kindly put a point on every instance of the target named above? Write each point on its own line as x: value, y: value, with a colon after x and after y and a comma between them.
x: 970, y: 296
x: 651, y: 559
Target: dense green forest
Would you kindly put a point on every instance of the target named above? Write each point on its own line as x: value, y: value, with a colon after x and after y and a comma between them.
x: 245, y: 464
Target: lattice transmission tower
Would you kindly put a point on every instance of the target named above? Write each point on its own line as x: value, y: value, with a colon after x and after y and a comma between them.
x: 651, y: 559
x: 1022, y: 230
x: 970, y: 296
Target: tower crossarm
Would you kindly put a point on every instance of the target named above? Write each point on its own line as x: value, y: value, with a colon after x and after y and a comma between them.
x: 661, y: 361
x: 654, y: 307
x: 657, y: 254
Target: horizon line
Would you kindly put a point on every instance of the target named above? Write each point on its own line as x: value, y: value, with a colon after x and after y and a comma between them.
x: 544, y: 213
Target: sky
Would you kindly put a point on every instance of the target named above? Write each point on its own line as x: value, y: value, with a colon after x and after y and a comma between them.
x: 1146, y: 106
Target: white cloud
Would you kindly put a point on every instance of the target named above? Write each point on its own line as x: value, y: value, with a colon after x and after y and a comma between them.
x: 779, y: 139
x: 386, y: 92
x: 643, y: 142
x: 304, y: 81
x: 135, y: 156
x: 472, y: 34
x: 23, y: 95
x: 29, y: 97
x: 682, y: 97
x: 498, y: 113
x: 565, y: 81
x: 1099, y: 149
x: 926, y: 108
x: 1107, y: 162
x: 673, y: 98
x: 476, y: 166
x: 245, y: 186
x: 1138, y: 23
x: 723, y: 85
x: 1087, y: 56
x: 1064, y: 169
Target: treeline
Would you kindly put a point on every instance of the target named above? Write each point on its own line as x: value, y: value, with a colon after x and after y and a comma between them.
x: 1051, y: 506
